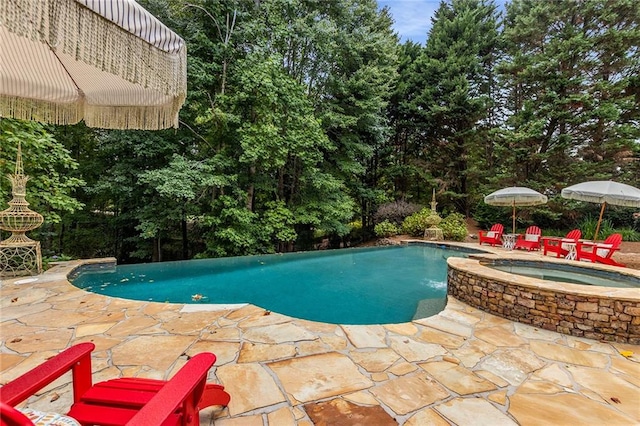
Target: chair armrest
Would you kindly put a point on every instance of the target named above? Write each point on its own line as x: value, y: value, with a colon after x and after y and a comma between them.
x: 9, y: 416
x: 551, y: 240
x: 76, y: 358
x: 185, y: 388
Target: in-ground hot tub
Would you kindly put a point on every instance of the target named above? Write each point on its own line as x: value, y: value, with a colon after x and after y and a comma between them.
x: 593, y: 311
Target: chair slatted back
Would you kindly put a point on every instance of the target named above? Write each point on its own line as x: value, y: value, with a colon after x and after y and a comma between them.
x: 574, y: 234
x: 533, y: 230
x: 614, y: 239
x: 498, y: 227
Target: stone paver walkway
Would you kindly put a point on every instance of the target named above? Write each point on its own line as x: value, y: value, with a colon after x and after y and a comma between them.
x: 460, y: 367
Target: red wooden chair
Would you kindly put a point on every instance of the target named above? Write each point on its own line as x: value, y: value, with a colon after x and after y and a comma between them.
x: 530, y: 240
x: 600, y: 252
x: 493, y: 236
x: 559, y: 245
x: 124, y: 401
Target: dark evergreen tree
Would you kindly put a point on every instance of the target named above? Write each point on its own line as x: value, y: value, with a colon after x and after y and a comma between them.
x: 451, y: 85
x: 571, y: 72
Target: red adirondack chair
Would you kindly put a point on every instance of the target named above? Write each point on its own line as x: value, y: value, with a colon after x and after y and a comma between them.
x: 493, y: 236
x: 124, y: 401
x: 600, y: 252
x: 530, y: 240
x: 561, y: 246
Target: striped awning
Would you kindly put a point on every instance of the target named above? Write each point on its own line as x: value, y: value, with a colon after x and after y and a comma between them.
x: 107, y: 62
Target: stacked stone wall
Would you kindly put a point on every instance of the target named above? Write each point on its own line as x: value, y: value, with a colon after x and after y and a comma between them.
x: 593, y: 317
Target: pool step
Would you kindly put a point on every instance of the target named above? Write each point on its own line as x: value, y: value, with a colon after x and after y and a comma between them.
x: 429, y: 307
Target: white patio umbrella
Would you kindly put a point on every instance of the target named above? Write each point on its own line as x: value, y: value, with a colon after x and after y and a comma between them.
x: 603, y: 192
x: 515, y: 196
x: 107, y: 62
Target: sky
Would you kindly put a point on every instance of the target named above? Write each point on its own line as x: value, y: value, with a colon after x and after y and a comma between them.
x: 413, y: 17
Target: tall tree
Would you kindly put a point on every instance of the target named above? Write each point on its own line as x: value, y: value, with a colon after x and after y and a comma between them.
x: 571, y: 72
x: 294, y: 63
x: 403, y: 171
x: 451, y: 85
x: 358, y: 90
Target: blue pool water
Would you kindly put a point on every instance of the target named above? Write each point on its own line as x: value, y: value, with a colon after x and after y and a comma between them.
x: 566, y: 273
x: 348, y: 286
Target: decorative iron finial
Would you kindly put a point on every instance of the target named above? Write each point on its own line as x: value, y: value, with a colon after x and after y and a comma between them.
x: 433, y: 201
x: 19, y: 169
x: 18, y: 180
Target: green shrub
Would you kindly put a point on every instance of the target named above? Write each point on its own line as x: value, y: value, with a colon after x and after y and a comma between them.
x: 554, y: 232
x: 395, y: 212
x: 487, y: 215
x: 588, y: 227
x: 629, y: 234
x: 47, y: 260
x: 385, y: 229
x: 454, y: 227
x: 357, y: 233
x: 433, y: 220
x: 416, y: 223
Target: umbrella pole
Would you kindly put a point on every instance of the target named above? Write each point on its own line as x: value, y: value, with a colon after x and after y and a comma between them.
x: 514, y: 217
x: 595, y: 237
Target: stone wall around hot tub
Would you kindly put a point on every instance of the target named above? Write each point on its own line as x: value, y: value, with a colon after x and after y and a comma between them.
x: 601, y: 313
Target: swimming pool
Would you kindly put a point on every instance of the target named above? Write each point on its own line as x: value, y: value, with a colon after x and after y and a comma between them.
x: 381, y: 285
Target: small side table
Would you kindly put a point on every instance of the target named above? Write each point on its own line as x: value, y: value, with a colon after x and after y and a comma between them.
x: 509, y: 241
x: 572, y: 251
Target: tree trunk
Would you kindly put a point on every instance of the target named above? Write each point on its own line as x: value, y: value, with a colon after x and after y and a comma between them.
x: 185, y: 240
x: 251, y: 189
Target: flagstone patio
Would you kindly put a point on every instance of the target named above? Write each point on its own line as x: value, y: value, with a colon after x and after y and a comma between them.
x: 460, y: 367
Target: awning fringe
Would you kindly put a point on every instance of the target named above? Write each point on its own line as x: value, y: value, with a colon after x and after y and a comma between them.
x: 71, y: 28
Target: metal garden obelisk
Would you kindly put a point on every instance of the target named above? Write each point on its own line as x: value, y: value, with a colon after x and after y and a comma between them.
x: 19, y: 254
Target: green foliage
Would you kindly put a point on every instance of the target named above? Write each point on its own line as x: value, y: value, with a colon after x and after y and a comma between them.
x: 448, y: 103
x: 278, y: 223
x: 454, y: 227
x: 487, y: 215
x: 386, y: 229
x: 357, y: 233
x: 416, y: 223
x: 432, y: 220
x: 47, y: 260
x: 50, y: 190
x: 588, y: 227
x: 232, y: 229
x: 629, y: 234
x: 568, y: 67
x: 395, y: 212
